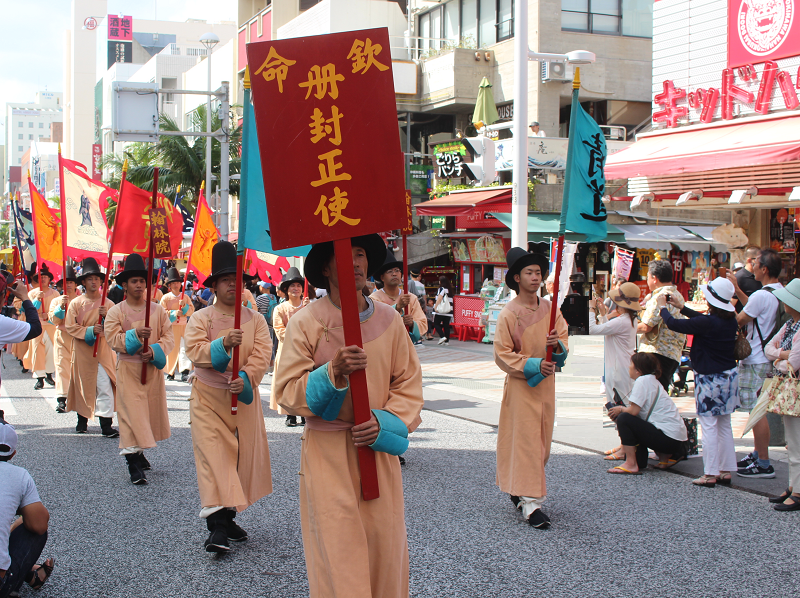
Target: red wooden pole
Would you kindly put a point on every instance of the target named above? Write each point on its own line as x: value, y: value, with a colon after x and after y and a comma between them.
x: 150, y: 260
x: 405, y: 273
x: 237, y: 321
x: 557, y: 283
x: 358, y: 380
x: 63, y: 224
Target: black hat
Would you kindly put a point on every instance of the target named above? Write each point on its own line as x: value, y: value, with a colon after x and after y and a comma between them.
x: 292, y: 276
x: 89, y: 267
x: 321, y: 253
x: 174, y: 276
x: 517, y: 259
x: 134, y: 267
x: 44, y: 270
x: 388, y: 263
x: 71, y: 274
x: 223, y: 262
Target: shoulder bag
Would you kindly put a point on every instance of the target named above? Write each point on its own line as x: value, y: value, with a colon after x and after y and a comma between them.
x: 444, y: 306
x: 783, y: 395
x: 741, y: 347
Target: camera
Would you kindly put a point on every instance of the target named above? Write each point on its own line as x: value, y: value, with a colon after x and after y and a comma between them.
x: 668, y: 297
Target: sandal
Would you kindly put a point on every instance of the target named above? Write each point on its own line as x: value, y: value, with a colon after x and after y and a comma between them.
x: 707, y: 481
x: 779, y: 499
x: 619, y: 470
x: 614, y: 457
x: 613, y: 451
x: 35, y: 580
x: 724, y: 479
x: 668, y: 463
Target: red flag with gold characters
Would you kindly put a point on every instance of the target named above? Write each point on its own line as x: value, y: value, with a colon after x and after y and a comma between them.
x: 204, y: 238
x: 46, y: 232
x: 267, y: 266
x: 133, y: 222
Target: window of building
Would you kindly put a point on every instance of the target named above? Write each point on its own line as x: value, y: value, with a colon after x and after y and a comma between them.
x: 30, y: 137
x: 41, y: 125
x: 637, y: 18
x: 19, y: 148
x: 306, y: 4
x: 478, y: 23
x: 30, y: 125
x: 21, y: 136
x: 21, y: 124
x: 608, y: 17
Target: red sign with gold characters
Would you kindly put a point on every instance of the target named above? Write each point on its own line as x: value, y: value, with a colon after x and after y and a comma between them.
x: 760, y: 30
x: 408, y: 229
x: 160, y: 234
x: 327, y: 130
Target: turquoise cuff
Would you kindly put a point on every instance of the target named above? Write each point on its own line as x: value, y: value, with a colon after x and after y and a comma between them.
x: 560, y: 358
x: 132, y: 344
x: 414, y: 333
x: 184, y: 309
x: 246, y: 396
x: 173, y: 315
x: 20, y: 311
x: 322, y: 397
x: 219, y: 356
x: 159, y: 359
x: 393, y: 437
x: 60, y: 313
x: 249, y: 305
x: 89, y: 336
x: 37, y: 304
x: 533, y: 371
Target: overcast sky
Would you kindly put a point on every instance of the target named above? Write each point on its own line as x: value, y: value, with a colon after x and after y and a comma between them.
x: 32, y: 39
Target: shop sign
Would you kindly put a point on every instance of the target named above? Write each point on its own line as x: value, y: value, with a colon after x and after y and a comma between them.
x: 420, y: 177
x: 120, y: 28
x: 97, y: 154
x: 449, y: 159
x: 119, y: 52
x: 486, y: 250
x: 438, y: 222
x: 761, y: 30
x: 506, y: 111
x: 481, y: 218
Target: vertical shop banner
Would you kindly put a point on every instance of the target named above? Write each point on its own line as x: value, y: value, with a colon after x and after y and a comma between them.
x: 120, y: 27
x: 327, y: 130
x: 97, y: 155
x: 761, y: 30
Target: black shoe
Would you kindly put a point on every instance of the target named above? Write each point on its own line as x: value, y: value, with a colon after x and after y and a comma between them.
x: 170, y: 377
x: 83, y: 425
x: 754, y: 471
x: 291, y: 421
x: 62, y: 405
x: 539, y: 520
x: 515, y: 500
x: 185, y: 376
x: 25, y: 371
x: 39, y: 384
x: 234, y: 532
x: 217, y: 524
x: 144, y: 462
x: 135, y: 469
x: 795, y: 506
x: 779, y: 499
x: 49, y: 379
x: 402, y: 459
x: 746, y: 462
x: 106, y: 429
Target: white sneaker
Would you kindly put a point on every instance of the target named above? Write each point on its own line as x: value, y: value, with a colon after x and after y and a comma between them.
x: 442, y: 341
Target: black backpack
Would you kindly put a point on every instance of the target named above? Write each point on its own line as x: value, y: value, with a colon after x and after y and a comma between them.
x: 781, y: 317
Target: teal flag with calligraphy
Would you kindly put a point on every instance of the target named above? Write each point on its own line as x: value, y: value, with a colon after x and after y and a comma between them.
x: 254, y: 225
x: 584, y: 177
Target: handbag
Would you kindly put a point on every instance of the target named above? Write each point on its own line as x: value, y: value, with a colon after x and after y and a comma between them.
x: 444, y: 306
x: 784, y: 395
x: 741, y: 347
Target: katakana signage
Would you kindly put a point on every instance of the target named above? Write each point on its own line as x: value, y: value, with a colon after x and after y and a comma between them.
x: 320, y: 103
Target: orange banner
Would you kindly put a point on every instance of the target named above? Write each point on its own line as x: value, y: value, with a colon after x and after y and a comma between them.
x: 204, y: 238
x: 46, y: 232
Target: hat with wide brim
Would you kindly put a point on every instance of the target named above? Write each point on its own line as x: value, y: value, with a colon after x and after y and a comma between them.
x: 627, y: 296
x: 292, y: 276
x: 44, y: 270
x: 790, y: 294
x: 134, y: 268
x: 321, y: 253
x: 517, y: 259
x: 719, y: 292
x: 389, y: 262
x: 90, y: 267
x: 223, y: 263
x: 174, y: 276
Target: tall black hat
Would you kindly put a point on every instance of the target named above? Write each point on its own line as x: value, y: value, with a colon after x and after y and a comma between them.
x: 389, y: 263
x: 43, y: 270
x: 321, y: 253
x: 71, y: 274
x: 517, y: 259
x: 89, y: 266
x: 134, y: 267
x: 174, y: 276
x: 292, y: 276
x: 223, y: 262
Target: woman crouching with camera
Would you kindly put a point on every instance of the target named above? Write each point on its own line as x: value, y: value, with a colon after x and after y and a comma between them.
x: 651, y: 421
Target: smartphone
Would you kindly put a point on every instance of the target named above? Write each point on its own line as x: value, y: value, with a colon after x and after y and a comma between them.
x: 610, y: 406
x: 723, y: 272
x: 668, y: 297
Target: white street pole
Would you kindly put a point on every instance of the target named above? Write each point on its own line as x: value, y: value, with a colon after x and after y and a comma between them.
x: 208, y: 125
x: 224, y: 158
x: 519, y: 201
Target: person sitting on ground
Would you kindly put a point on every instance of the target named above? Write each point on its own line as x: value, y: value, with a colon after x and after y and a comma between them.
x: 21, y: 541
x: 715, y: 375
x: 651, y: 421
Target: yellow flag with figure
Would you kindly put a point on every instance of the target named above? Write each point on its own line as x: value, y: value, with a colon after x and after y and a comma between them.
x: 204, y: 237
x: 46, y: 232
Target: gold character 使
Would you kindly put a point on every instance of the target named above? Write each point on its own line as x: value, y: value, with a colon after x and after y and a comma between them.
x: 331, y: 209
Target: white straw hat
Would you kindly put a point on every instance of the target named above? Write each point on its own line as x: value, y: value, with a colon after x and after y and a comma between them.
x: 718, y: 293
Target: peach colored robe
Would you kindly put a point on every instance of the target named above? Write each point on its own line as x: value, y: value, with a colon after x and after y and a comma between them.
x: 84, y: 313
x: 39, y: 353
x: 231, y: 452
x: 353, y: 548
x: 21, y: 350
x: 63, y: 347
x: 526, y: 414
x: 173, y: 302
x: 414, y: 309
x: 280, y: 319
x: 141, y: 408
x: 248, y: 300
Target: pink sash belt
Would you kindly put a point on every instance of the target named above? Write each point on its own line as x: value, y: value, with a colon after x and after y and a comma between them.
x: 317, y: 423
x: 211, y: 377
x: 126, y: 357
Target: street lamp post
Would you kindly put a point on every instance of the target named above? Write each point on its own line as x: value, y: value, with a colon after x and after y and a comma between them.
x: 522, y: 53
x: 209, y: 40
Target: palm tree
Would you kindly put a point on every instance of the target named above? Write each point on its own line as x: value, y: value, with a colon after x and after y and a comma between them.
x: 181, y: 164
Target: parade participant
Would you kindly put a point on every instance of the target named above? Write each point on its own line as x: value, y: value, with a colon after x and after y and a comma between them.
x: 22, y: 350
x: 115, y: 291
x: 527, y: 412
x: 292, y: 288
x: 179, y: 312
x: 27, y: 358
x: 141, y: 408
x: 42, y: 347
x: 63, y: 357
x: 231, y: 453
x: 93, y: 379
x: 391, y: 274
x: 352, y: 547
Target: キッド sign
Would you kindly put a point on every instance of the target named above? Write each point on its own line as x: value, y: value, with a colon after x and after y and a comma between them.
x: 327, y: 130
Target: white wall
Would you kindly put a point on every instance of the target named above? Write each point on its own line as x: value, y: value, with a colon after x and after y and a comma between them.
x: 222, y: 69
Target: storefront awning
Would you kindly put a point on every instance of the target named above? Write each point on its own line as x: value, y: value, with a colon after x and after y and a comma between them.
x: 727, y: 146
x: 648, y: 236
x: 463, y: 203
x: 543, y: 227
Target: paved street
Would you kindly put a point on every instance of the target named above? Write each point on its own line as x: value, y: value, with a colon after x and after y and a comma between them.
x: 653, y: 535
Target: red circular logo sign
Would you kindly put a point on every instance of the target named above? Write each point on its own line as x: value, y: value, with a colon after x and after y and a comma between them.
x: 90, y: 23
x: 763, y: 25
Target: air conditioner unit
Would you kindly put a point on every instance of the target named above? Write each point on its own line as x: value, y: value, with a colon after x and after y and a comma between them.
x: 554, y: 71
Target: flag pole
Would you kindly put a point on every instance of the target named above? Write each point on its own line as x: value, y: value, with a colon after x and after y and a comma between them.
x: 110, y: 259
x: 573, y: 119
x: 405, y: 274
x: 63, y: 224
x: 194, y: 234
x: 35, y: 236
x: 150, y: 260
